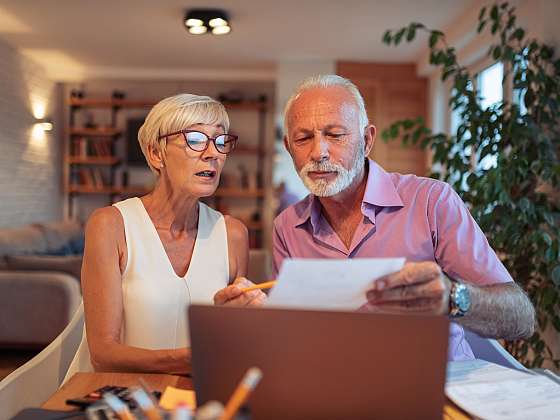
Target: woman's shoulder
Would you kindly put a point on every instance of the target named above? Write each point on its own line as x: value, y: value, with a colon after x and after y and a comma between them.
x: 105, y: 220
x: 236, y: 229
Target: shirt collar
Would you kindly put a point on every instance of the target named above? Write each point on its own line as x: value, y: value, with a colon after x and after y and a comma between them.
x: 380, y: 192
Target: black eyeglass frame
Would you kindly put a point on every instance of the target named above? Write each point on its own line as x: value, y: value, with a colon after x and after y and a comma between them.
x: 208, y: 139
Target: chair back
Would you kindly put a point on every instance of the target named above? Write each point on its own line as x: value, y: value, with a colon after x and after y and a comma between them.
x: 33, y: 383
x: 490, y: 350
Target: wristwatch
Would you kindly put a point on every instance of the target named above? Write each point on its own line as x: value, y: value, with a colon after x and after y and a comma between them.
x: 459, y: 299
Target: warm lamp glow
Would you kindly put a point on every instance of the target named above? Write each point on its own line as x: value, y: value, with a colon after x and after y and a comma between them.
x: 221, y: 30
x: 198, y: 30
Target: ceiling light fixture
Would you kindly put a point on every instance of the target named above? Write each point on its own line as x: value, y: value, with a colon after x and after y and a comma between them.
x: 201, y: 21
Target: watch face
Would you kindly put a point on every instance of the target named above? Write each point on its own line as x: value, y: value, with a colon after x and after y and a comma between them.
x: 462, y: 298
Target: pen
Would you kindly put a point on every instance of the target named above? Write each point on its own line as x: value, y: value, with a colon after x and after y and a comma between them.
x: 265, y: 285
x: 241, y: 393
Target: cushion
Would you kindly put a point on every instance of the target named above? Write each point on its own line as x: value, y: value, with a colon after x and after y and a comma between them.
x: 66, y: 264
x: 21, y: 241
x: 63, y: 238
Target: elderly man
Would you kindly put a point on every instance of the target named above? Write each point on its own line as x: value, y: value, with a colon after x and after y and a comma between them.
x: 357, y: 210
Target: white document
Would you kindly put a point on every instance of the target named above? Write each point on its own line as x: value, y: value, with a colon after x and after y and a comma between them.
x: 490, y: 391
x: 327, y: 283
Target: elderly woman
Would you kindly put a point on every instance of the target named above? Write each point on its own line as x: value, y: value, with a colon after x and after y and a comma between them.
x: 146, y: 259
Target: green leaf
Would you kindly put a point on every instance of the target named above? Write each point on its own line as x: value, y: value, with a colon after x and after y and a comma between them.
x: 387, y: 37
x: 482, y: 13
x: 496, y: 52
x: 518, y: 34
x: 555, y: 276
x: 434, y: 37
x: 494, y: 12
x: 481, y: 26
x: 411, y: 33
x: 399, y: 35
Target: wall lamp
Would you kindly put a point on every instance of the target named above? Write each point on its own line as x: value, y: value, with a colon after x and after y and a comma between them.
x: 200, y: 21
x: 45, y: 124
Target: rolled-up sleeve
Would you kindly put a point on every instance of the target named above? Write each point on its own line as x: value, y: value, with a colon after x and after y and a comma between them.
x: 279, y: 248
x: 461, y: 248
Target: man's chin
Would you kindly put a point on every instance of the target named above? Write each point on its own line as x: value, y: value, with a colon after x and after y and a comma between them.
x: 320, y: 190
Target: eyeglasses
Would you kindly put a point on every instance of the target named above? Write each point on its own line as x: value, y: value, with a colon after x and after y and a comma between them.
x: 199, y: 141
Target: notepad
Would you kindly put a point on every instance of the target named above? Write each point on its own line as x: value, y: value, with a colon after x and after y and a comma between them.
x: 174, y: 396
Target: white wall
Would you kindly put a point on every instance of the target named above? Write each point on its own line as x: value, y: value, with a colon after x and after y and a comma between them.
x: 30, y: 184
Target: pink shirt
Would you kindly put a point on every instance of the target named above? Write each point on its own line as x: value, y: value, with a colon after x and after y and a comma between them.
x: 421, y: 219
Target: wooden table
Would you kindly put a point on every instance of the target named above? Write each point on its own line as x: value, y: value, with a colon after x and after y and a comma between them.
x: 83, y: 383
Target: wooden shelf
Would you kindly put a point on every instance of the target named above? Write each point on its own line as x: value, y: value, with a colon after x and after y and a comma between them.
x: 94, y: 160
x: 238, y: 193
x: 145, y: 103
x: 248, y: 150
x: 111, y: 103
x: 84, y: 189
x: 220, y: 192
x: 95, y: 132
x: 254, y: 225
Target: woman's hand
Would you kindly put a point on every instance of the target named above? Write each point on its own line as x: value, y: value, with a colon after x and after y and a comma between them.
x: 233, y: 295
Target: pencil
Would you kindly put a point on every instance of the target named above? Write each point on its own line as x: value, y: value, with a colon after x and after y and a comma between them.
x: 265, y: 285
x: 242, y: 392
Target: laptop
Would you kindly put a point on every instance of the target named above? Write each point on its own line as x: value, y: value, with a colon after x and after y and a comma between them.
x: 321, y: 364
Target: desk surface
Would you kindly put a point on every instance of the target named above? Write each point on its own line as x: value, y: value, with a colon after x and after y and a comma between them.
x: 83, y: 383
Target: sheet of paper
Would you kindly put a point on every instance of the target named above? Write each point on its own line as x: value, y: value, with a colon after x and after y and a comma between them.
x: 491, y: 391
x: 329, y: 284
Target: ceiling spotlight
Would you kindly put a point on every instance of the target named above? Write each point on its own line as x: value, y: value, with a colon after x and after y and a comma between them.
x: 198, y: 30
x: 200, y: 21
x: 221, y: 30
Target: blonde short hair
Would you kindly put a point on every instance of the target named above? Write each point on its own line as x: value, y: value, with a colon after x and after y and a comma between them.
x: 177, y: 113
x: 326, y: 81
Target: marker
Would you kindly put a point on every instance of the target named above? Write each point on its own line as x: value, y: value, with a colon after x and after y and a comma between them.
x: 242, y: 392
x: 265, y: 285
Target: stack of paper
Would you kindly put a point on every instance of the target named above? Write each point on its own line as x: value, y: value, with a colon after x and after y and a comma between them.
x: 490, y: 391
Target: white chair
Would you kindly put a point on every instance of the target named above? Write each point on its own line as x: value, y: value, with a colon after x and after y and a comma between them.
x: 34, y: 382
x: 490, y: 350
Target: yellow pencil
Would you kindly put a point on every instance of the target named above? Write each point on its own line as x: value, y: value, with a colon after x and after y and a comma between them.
x: 265, y: 285
x: 242, y: 392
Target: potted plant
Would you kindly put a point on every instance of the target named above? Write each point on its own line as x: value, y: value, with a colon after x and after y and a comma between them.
x: 514, y: 198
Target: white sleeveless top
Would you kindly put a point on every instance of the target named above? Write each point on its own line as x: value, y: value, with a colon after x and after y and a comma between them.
x: 155, y: 298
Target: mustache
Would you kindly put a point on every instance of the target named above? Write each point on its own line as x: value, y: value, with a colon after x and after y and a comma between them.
x: 321, y: 167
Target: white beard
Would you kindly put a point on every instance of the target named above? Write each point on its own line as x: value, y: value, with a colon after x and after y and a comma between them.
x: 344, y: 177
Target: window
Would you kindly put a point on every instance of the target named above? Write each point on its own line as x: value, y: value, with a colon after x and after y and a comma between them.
x: 489, y: 85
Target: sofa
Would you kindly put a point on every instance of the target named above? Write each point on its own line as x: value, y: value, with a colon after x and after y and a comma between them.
x: 39, y: 282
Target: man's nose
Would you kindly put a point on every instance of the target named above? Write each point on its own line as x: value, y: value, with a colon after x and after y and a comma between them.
x: 320, y: 149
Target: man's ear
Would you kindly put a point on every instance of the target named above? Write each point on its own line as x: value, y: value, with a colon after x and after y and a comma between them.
x: 369, y: 138
x: 287, y: 144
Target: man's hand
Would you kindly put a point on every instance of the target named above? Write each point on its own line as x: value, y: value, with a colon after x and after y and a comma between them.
x: 416, y: 288
x: 234, y: 296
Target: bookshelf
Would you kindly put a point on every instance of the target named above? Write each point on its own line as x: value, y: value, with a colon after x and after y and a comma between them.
x: 92, y: 160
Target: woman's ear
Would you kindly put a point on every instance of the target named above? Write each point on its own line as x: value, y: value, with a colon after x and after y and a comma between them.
x: 155, y: 157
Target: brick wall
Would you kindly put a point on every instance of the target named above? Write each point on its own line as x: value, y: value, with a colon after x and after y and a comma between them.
x: 30, y: 189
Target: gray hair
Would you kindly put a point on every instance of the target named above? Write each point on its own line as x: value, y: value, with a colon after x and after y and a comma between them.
x: 176, y: 113
x: 325, y: 81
